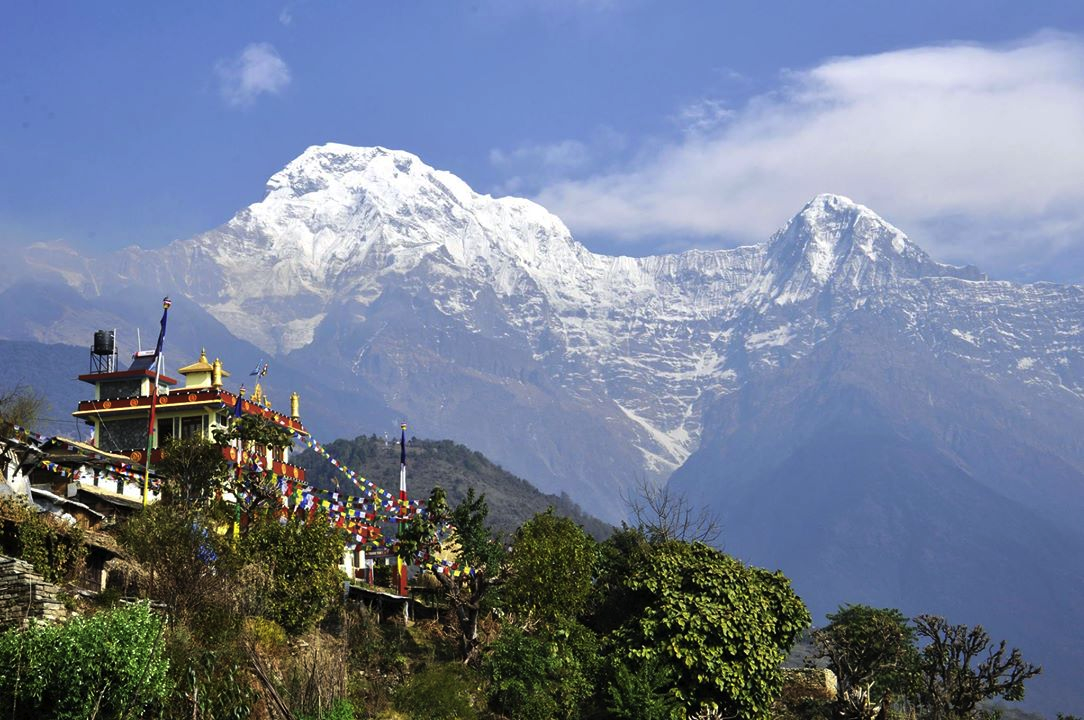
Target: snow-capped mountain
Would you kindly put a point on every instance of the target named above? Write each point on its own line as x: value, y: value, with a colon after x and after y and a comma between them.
x: 835, y: 392
x: 636, y: 346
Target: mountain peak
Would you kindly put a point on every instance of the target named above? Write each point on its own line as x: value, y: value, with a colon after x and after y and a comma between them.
x: 337, y: 166
x: 835, y: 241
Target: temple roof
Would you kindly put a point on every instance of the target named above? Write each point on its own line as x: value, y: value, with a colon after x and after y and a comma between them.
x: 200, y: 365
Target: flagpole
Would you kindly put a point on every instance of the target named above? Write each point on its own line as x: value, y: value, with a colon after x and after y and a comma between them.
x: 238, y: 411
x: 152, y: 429
x: 402, y: 504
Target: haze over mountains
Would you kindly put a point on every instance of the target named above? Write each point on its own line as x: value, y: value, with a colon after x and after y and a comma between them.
x: 883, y: 427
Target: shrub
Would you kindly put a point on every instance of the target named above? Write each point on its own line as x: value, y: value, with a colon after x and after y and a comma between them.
x: 110, y: 665
x: 550, y: 675
x: 440, y: 692
x: 722, y: 628
x: 302, y: 556
x: 208, y: 682
x: 54, y: 548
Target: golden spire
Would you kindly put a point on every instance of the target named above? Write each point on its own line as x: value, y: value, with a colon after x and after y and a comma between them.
x: 295, y: 406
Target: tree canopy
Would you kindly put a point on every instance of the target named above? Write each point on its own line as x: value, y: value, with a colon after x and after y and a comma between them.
x: 872, y: 653
x: 551, y: 569
x: 959, y: 668
x: 723, y: 628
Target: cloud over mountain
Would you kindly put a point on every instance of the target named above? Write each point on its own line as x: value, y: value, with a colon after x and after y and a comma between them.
x: 958, y: 142
x: 257, y: 70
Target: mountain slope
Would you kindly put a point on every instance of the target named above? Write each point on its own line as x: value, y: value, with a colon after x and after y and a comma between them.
x: 456, y: 468
x: 485, y: 320
x: 874, y: 471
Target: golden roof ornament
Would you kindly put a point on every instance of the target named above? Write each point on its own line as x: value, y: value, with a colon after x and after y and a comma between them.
x: 217, y: 373
x: 200, y: 365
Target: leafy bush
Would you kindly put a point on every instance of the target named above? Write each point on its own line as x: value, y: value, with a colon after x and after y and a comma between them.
x: 440, y: 692
x: 549, y: 675
x: 188, y: 566
x: 721, y: 627
x: 208, y: 681
x: 302, y: 556
x: 54, y: 548
x: 872, y: 653
x: 641, y: 692
x: 342, y: 710
x: 110, y: 665
x: 551, y: 568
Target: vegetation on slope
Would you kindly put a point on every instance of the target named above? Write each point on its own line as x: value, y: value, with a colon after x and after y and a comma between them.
x: 247, y: 620
x: 451, y: 466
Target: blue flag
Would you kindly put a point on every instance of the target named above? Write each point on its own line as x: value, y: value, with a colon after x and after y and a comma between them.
x: 166, y: 302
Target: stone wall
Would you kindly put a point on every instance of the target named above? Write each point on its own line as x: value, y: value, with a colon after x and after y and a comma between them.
x: 24, y: 595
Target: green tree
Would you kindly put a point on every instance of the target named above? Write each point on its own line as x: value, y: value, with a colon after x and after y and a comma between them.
x: 193, y: 471
x: 23, y: 406
x: 187, y: 565
x: 252, y: 484
x: 479, y: 558
x: 959, y: 669
x: 301, y: 555
x: 721, y: 627
x: 551, y: 569
x: 109, y: 666
x: 872, y: 653
x: 549, y: 674
x: 612, y: 600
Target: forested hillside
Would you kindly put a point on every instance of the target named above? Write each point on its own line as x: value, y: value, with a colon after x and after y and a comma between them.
x: 454, y: 467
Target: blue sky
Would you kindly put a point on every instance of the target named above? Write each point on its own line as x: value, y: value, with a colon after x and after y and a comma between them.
x: 647, y: 126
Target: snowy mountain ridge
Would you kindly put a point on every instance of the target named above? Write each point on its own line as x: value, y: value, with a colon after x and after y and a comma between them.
x: 338, y: 218
x: 649, y: 342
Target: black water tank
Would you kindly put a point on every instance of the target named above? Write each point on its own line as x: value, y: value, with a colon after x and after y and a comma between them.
x: 103, y: 342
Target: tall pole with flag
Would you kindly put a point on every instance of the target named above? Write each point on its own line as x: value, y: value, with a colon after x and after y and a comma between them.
x: 402, y: 506
x: 238, y: 412
x: 152, y: 426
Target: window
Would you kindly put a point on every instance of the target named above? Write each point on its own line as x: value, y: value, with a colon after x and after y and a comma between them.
x: 194, y: 426
x: 165, y: 430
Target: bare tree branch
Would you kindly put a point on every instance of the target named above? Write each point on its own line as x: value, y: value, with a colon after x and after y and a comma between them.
x: 662, y: 513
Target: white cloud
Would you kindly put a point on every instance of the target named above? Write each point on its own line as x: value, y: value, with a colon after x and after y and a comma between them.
x: 958, y: 145
x: 532, y: 165
x: 564, y: 155
x: 258, y: 69
x: 704, y: 115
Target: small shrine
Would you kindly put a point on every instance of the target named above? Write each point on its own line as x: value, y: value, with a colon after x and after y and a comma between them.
x: 121, y: 409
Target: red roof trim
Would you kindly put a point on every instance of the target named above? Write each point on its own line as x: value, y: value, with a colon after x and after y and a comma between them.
x: 194, y: 396
x: 94, y: 378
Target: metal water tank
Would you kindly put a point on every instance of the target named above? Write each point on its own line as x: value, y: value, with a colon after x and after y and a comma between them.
x: 103, y: 342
